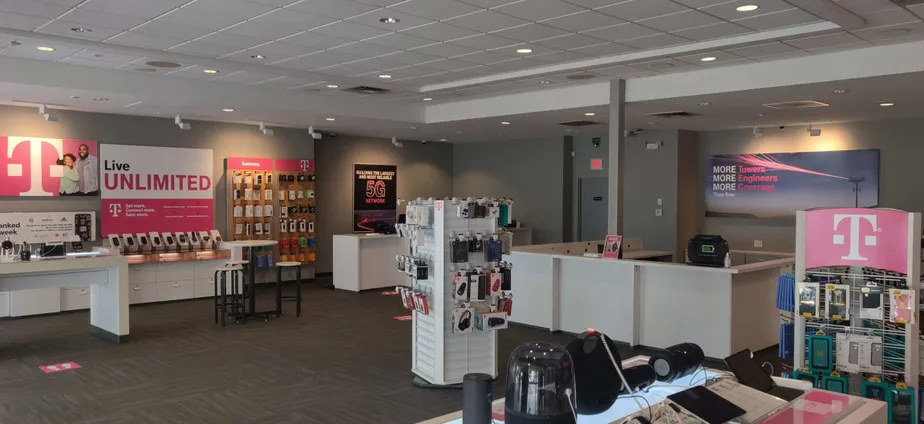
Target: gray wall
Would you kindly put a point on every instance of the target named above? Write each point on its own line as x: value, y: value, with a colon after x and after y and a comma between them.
x: 531, y: 172
x: 584, y: 151
x: 224, y: 139
x: 900, y: 170
x: 424, y: 170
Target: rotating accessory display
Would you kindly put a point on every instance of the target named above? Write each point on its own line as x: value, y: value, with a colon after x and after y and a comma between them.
x: 540, y: 387
x: 677, y: 361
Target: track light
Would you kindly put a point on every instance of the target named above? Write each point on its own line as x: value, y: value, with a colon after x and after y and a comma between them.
x: 266, y: 131
x: 183, y: 125
x: 48, y: 116
x: 758, y: 133
x: 314, y: 135
x: 394, y: 140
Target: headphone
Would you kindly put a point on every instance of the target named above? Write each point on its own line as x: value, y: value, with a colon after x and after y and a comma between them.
x: 465, y: 321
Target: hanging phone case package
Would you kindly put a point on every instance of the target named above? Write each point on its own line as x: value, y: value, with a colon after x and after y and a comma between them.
x: 838, y: 297
x: 902, y: 306
x: 871, y: 302
x: 808, y: 299
x: 848, y: 353
x: 871, y: 353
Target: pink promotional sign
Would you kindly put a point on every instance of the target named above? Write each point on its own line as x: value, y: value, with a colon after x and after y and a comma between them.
x: 35, y: 166
x: 158, y: 189
x: 255, y: 164
x: 295, y: 165
x: 67, y: 366
x: 876, y: 238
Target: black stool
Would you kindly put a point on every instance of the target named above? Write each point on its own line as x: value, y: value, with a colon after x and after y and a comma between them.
x: 231, y: 275
x: 298, y: 287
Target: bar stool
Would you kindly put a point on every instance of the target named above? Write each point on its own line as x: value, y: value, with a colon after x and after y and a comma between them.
x: 230, y: 277
x: 298, y: 287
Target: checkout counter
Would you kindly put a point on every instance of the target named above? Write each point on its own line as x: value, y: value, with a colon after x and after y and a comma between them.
x: 644, y: 299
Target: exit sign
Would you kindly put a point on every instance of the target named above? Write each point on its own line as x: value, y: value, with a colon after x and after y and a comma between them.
x: 596, y: 163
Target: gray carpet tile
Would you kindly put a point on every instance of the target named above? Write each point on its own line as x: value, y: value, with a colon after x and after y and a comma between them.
x: 345, y: 360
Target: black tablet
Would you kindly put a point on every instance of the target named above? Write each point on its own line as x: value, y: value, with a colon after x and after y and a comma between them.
x: 706, y: 405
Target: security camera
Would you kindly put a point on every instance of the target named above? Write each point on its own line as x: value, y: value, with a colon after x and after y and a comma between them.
x: 423, y: 141
x: 782, y: 127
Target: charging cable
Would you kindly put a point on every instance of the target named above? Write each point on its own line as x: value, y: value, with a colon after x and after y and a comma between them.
x: 568, y: 393
x: 629, y: 388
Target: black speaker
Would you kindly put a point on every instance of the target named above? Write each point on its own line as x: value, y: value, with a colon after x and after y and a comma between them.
x: 596, y: 378
x: 476, y: 398
x: 638, y: 377
x: 677, y: 361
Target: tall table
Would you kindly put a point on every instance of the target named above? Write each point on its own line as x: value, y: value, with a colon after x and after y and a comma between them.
x: 237, y: 253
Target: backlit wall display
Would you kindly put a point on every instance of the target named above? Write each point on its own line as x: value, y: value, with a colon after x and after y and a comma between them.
x: 776, y: 185
x: 38, y: 167
x: 375, y: 195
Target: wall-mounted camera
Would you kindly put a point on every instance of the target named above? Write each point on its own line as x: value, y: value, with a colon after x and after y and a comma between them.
x: 596, y: 141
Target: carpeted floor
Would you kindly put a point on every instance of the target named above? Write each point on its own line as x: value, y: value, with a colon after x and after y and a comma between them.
x: 344, y: 361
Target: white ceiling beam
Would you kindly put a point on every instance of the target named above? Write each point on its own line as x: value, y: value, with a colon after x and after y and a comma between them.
x: 832, y: 12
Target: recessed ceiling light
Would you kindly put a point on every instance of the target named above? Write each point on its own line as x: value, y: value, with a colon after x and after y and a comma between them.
x: 505, y: 123
x: 333, y: 86
x: 707, y: 59
x: 162, y: 64
x: 331, y: 119
x: 544, y: 82
x: 589, y: 114
x: 427, y: 99
x: 79, y: 29
x: 705, y: 104
x: 524, y: 51
x: 100, y: 99
x: 75, y: 97
x: 568, y: 130
x: 384, y: 76
x: 210, y: 71
x: 840, y: 91
x: 389, y: 20
x: 747, y: 8
x: 886, y: 104
x: 45, y: 49
x: 258, y: 57
x: 227, y: 110
x: 442, y: 139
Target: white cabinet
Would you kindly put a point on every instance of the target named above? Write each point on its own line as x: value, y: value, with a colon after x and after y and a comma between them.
x: 35, y: 302
x: 142, y: 293
x: 75, y: 298
x: 142, y: 273
x: 4, y: 304
x: 175, y: 290
x: 176, y: 271
x: 205, y: 288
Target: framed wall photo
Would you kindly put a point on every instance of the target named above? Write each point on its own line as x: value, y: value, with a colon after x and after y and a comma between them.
x: 40, y: 167
x: 375, y: 196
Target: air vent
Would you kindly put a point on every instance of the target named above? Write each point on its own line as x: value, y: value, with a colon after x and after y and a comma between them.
x: 580, y: 77
x: 365, y: 89
x: 578, y: 123
x: 799, y: 104
x: 162, y: 64
x: 673, y: 115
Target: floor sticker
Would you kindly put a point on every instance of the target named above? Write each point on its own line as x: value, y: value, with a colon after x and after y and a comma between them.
x: 59, y: 367
x: 403, y: 318
x: 389, y: 293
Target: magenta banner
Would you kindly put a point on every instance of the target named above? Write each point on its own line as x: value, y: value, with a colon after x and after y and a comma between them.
x: 295, y: 165
x: 254, y: 164
x: 36, y: 166
x: 876, y: 238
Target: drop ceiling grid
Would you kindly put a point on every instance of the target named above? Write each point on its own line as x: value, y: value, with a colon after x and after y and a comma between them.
x: 236, y: 24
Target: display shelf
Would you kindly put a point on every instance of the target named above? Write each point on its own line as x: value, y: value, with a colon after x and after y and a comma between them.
x: 253, y: 207
x: 296, y: 226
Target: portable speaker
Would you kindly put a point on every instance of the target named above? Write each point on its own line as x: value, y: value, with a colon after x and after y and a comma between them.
x: 677, y: 361
x: 596, y: 378
x: 639, y: 377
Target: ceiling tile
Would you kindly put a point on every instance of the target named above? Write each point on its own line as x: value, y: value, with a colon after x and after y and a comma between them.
x: 482, y: 58
x: 135, y: 39
x: 33, y: 8
x: 264, y: 30
x: 605, y: 49
x: 413, y: 71
x: 537, y: 10
x: 447, y: 65
x: 636, y: 10
x: 840, y: 48
x: 720, y: 56
x: 709, y: 32
x: 239, y: 9
x: 342, y: 70
x: 863, y: 7
x: 899, y: 40
x: 435, y: 9
x: 485, y: 42
x: 405, y: 21
x: 339, y: 9
x: 167, y: 29
x: 623, y: 71
x: 199, y: 48
x: 786, y: 18
x: 400, y: 41
x: 700, y: 3
x: 760, y: 50
x: 286, y: 82
x: 890, y: 17
x: 213, y: 21
x: 197, y: 72
x: 892, y: 32
x: 68, y: 3
x: 518, y: 64
x: 828, y: 40
x: 728, y: 12
x: 583, y: 21
x: 408, y: 57
x: 350, y: 30
x: 364, y: 49
x: 91, y: 19
x: 486, y: 21
x: 312, y: 39
x: 661, y: 65
x: 530, y: 32
x: 106, y: 56
x: 22, y: 22
x: 317, y: 60
x: 593, y: 4
x: 917, y: 9
x: 89, y: 62
x: 680, y: 21
x: 783, y: 56
x: 275, y: 3
x: 232, y: 40
x: 571, y: 41
x: 291, y: 17
x: 439, y: 31
x: 138, y: 8
x: 64, y: 28
x: 278, y: 50
x: 381, y: 3
x: 445, y: 50
x: 621, y: 32
x: 559, y: 57
x: 656, y: 41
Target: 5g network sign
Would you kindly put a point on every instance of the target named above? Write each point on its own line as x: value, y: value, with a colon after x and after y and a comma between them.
x: 375, y: 195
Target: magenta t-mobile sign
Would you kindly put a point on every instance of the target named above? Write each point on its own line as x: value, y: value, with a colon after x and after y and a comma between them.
x: 876, y: 238
x: 36, y: 166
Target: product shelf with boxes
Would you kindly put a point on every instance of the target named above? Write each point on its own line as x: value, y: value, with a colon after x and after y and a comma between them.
x: 856, y: 318
x: 459, y: 288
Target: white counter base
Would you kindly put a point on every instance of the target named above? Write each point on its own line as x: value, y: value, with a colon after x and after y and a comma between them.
x: 364, y: 262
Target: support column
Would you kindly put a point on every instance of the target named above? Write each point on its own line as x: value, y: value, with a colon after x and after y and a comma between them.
x: 616, y: 155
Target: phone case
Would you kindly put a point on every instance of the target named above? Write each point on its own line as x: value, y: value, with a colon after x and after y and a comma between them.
x: 458, y: 252
x: 854, y: 355
x: 876, y: 358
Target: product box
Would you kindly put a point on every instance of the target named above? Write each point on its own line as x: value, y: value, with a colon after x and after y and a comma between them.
x: 495, y: 283
x: 837, y: 298
x: 871, y: 353
x: 460, y: 286
x: 871, y: 302
x: 463, y: 320
x: 490, y: 321
x: 808, y: 299
x: 902, y: 306
x: 848, y: 353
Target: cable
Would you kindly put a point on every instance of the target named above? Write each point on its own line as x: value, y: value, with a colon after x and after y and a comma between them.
x: 622, y: 377
x: 568, y: 393
x: 640, y: 408
x: 771, y: 367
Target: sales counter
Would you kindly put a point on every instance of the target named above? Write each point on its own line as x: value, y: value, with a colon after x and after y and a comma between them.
x: 367, y: 261
x: 647, y: 302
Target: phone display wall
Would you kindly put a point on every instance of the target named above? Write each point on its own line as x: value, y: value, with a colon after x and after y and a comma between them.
x: 296, y: 197
x: 441, y: 353
x: 248, y: 203
x: 836, y: 273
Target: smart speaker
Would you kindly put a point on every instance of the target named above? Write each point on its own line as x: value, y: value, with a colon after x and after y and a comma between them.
x: 598, y: 382
x: 677, y: 361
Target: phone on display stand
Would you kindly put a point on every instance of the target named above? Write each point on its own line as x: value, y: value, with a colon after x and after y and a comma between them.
x: 130, y: 243
x: 115, y: 241
x: 156, y: 241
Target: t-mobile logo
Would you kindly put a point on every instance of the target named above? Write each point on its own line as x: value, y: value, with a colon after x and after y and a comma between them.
x: 35, y: 163
x: 854, y: 233
x: 305, y: 164
x: 115, y: 209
